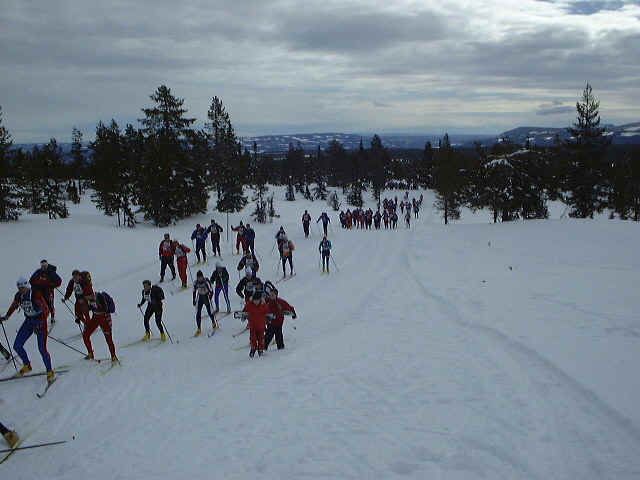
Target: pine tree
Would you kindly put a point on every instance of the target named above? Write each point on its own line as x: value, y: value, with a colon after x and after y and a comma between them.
x: 587, y: 169
x: 165, y: 127
x: 379, y: 160
x: 320, y: 190
x: 53, y: 201
x: 449, y: 182
x: 79, y: 163
x: 258, y: 176
x: 9, y: 190
x: 625, y: 179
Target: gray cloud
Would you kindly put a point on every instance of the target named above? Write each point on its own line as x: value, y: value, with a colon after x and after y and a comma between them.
x: 554, y: 108
x: 297, y: 67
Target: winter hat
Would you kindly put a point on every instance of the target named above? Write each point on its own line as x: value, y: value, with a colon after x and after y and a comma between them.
x: 198, y: 225
x: 166, y: 235
x: 22, y: 282
x: 199, y: 274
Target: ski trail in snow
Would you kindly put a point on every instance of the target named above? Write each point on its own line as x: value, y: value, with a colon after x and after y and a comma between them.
x: 579, y: 416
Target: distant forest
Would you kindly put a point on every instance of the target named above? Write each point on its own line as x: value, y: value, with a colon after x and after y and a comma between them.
x: 165, y: 170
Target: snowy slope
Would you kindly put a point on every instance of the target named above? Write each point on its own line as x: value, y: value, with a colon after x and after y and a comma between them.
x: 464, y: 351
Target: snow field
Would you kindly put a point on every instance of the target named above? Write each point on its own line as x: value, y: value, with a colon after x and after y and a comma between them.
x: 464, y: 351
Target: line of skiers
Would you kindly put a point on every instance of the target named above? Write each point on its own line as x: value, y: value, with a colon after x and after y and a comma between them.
x: 364, y: 219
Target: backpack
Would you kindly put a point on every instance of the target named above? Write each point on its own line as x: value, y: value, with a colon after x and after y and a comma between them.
x: 108, y: 302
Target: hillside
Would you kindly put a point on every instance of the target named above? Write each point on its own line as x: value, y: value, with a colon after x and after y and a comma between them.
x: 465, y: 351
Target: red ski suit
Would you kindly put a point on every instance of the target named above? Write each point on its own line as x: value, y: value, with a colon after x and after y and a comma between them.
x: 257, y: 323
x: 82, y: 289
x: 182, y: 261
x: 277, y: 307
x: 102, y: 320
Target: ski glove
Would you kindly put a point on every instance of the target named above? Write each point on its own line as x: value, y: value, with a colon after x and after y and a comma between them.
x: 2, y: 319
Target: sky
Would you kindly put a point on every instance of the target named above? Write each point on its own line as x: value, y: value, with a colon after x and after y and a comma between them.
x: 396, y: 66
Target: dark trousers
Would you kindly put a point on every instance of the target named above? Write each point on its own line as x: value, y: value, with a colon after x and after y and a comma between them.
x: 215, y: 246
x: 305, y: 227
x: 200, y: 248
x: 151, y: 310
x: 270, y: 333
x: 324, y: 226
x: 3, y: 429
x: 284, y: 263
x: 164, y: 261
x: 325, y: 258
x: 203, y: 300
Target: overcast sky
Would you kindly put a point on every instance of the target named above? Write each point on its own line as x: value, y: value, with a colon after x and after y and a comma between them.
x: 318, y: 66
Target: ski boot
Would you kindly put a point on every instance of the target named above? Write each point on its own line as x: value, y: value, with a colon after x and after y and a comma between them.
x: 260, y: 353
x: 51, y: 376
x: 89, y: 356
x: 252, y: 352
x: 198, y: 332
x: 147, y: 337
x: 25, y: 369
x: 163, y: 337
x: 115, y: 360
x: 11, y: 438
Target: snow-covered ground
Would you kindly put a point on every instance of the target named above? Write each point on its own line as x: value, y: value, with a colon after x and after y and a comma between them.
x: 465, y: 351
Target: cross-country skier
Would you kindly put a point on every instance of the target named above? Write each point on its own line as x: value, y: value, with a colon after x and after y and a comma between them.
x: 287, y: 255
x: 407, y: 217
x: 325, y: 251
x: 101, y: 318
x: 280, y: 236
x: 200, y: 236
x: 165, y: 252
x: 325, y: 221
x: 220, y: 280
x: 249, y: 261
x: 416, y: 209
x: 376, y: 220
x: 46, y: 280
x: 203, y: 291
x: 306, y: 220
x: 35, y: 312
x: 394, y: 220
x: 277, y: 306
x: 215, y: 230
x: 153, y: 296
x: 9, y: 435
x: 258, y: 311
x: 239, y: 238
x: 80, y: 285
x: 182, y: 260
x: 248, y: 285
x: 250, y: 238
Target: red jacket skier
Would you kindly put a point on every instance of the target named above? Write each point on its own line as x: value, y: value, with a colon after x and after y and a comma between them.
x: 182, y: 260
x: 101, y: 318
x: 277, y: 307
x: 258, y: 311
x: 80, y: 284
x: 166, y: 252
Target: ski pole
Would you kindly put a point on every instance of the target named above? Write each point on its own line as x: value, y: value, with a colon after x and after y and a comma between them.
x: 165, y: 329
x: 190, y: 274
x: 334, y: 263
x: 9, y: 345
x: 70, y: 311
x: 239, y: 333
x: 274, y: 246
x: 66, y: 345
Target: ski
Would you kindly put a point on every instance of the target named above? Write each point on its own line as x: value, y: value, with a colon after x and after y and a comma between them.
x: 138, y: 342
x: 284, y: 279
x: 46, y: 389
x: 38, y: 445
x: 113, y: 364
x: 28, y: 375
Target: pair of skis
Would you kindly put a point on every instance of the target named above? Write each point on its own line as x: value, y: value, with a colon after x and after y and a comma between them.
x: 10, y: 451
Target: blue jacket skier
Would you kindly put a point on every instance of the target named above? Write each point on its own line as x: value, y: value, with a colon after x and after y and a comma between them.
x: 325, y: 221
x: 325, y: 250
x: 200, y: 236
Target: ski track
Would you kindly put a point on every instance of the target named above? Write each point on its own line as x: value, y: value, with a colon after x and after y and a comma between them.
x: 393, y: 376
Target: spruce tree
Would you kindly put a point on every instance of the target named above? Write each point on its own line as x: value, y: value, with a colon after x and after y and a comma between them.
x: 53, y: 198
x: 588, y: 172
x: 79, y: 163
x: 319, y: 176
x: 449, y: 182
x: 9, y: 189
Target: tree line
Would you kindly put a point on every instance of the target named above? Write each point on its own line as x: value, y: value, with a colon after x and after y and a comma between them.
x: 166, y: 170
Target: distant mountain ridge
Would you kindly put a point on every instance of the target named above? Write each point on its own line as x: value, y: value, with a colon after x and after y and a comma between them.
x: 545, y: 136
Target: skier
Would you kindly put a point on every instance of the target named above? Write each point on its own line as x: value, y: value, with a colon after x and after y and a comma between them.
x: 258, y: 311
x: 165, y: 252
x: 202, y: 289
x: 325, y: 251
x: 215, y: 230
x: 277, y: 307
x: 394, y: 220
x: 306, y: 220
x: 239, y: 238
x: 385, y: 219
x: 287, y: 255
x: 80, y: 285
x: 101, y: 318
x: 280, y: 236
x: 154, y: 296
x: 407, y: 218
x: 9, y: 435
x: 376, y: 220
x: 200, y: 236
x: 248, y: 285
x: 416, y: 209
x: 182, y: 260
x: 325, y: 221
x: 45, y: 280
x: 220, y: 279
x: 250, y: 237
x: 249, y: 261
x: 35, y: 312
